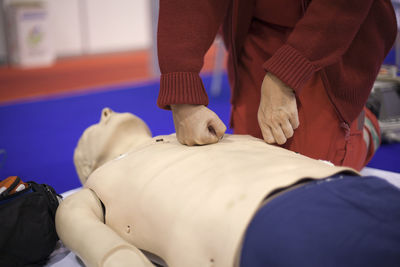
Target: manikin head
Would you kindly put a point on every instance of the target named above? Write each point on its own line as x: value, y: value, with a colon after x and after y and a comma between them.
x: 114, y: 135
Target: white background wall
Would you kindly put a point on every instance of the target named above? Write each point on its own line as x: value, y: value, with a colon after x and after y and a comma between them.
x: 95, y: 26
x: 3, y: 49
x: 118, y: 25
x: 66, y: 26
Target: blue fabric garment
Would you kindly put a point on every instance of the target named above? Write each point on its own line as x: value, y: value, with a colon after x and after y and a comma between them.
x: 340, y: 221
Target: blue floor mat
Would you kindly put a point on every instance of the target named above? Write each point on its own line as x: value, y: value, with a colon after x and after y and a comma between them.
x: 387, y: 157
x: 38, y: 137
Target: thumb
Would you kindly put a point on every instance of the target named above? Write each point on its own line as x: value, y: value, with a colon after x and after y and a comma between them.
x: 212, y: 133
x: 206, y: 136
x: 217, y: 127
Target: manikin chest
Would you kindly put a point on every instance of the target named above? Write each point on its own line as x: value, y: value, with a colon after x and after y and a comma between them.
x: 195, y: 202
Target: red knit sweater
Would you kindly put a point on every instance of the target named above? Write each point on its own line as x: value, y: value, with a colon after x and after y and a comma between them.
x: 346, y: 41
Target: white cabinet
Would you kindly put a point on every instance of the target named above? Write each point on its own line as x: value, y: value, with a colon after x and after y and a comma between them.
x: 28, y: 34
x: 79, y: 27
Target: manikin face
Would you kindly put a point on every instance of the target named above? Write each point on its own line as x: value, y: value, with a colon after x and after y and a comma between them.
x: 115, y: 134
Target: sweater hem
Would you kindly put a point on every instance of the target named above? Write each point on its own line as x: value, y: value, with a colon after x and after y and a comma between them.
x: 181, y: 88
x: 290, y: 67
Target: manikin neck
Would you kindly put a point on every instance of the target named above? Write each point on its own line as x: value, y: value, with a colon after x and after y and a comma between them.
x: 121, y: 147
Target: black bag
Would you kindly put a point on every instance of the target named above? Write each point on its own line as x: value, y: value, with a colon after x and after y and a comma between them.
x: 27, y: 229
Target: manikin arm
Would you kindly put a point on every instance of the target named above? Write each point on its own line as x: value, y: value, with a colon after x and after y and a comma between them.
x: 79, y: 223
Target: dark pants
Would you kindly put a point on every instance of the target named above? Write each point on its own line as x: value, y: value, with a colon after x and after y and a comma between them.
x: 340, y: 221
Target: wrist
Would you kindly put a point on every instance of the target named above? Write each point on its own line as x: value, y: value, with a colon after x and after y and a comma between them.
x: 175, y: 107
x: 279, y: 83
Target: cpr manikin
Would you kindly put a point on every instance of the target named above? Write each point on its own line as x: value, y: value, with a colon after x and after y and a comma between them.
x: 190, y: 206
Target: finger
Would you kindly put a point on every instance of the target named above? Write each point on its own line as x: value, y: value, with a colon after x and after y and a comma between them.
x: 217, y: 127
x: 267, y: 134
x: 294, y: 120
x: 207, y: 137
x: 187, y: 141
x: 180, y: 139
x: 287, y: 129
x: 203, y: 135
x: 185, y: 138
x: 278, y: 135
x: 191, y: 143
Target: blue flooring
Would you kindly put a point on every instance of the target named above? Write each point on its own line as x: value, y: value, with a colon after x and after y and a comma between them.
x: 387, y: 157
x: 38, y: 137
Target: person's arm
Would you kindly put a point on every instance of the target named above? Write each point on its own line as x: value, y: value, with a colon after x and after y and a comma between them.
x: 79, y: 224
x: 319, y: 39
x: 186, y: 30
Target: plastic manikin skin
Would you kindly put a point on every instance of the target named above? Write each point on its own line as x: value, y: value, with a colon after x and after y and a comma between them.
x: 188, y: 205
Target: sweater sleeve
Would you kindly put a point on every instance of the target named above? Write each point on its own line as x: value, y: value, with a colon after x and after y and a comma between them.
x: 186, y: 30
x: 319, y: 39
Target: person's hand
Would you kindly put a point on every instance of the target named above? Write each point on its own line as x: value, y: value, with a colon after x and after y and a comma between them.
x: 197, y: 125
x: 277, y: 114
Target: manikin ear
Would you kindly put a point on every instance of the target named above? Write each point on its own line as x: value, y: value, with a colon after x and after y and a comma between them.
x: 106, y: 114
x: 83, y: 167
x: 82, y: 159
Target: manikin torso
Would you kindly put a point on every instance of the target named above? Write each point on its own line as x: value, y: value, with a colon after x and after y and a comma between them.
x: 191, y: 205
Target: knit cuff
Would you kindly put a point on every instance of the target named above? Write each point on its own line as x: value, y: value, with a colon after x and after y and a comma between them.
x: 181, y: 88
x: 290, y: 67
